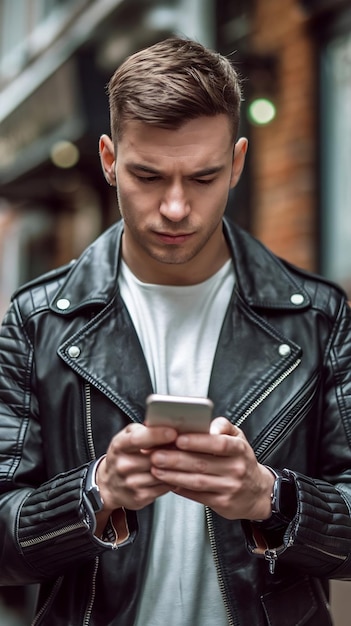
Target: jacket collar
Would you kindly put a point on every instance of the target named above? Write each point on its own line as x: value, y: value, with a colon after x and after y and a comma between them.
x: 92, y: 280
x: 263, y: 280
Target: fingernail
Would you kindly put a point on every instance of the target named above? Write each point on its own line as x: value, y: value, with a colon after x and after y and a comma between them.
x: 183, y: 441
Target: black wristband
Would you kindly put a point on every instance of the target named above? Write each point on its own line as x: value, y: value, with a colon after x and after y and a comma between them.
x: 91, y: 489
x: 284, y: 502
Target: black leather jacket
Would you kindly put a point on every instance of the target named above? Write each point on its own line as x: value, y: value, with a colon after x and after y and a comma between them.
x: 73, y: 373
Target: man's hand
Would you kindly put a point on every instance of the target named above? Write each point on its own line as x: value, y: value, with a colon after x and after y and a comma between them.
x: 124, y: 477
x: 219, y: 470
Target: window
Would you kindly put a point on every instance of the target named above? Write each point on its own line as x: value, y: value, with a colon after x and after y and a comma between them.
x: 27, y: 27
x: 336, y: 159
x: 13, y: 25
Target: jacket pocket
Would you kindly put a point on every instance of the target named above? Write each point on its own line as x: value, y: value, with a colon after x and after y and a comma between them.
x: 300, y: 604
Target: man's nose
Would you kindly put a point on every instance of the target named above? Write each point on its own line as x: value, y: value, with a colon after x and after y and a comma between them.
x: 175, y: 204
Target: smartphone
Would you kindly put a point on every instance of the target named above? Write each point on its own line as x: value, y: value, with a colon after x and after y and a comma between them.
x: 186, y: 414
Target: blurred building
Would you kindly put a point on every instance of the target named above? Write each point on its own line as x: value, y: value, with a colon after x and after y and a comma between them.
x: 56, y: 57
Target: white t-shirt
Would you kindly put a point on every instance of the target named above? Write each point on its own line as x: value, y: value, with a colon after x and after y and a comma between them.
x: 178, y: 328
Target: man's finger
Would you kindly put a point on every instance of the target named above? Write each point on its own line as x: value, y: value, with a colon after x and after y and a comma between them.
x: 137, y: 436
x: 222, y: 426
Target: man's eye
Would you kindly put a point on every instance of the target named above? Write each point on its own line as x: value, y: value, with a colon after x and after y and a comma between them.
x: 147, y: 179
x: 204, y: 181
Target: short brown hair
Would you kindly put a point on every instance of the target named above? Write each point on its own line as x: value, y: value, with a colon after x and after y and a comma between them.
x: 171, y: 82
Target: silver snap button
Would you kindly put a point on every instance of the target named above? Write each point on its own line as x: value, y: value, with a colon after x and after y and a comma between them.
x: 297, y: 298
x: 74, y: 352
x: 63, y: 304
x: 284, y: 349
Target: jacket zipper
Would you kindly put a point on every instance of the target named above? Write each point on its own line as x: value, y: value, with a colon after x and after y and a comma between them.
x: 300, y: 408
x: 88, y: 610
x: 267, y: 392
x: 335, y: 556
x: 271, y: 555
x: 48, y: 601
x: 52, y: 535
x: 91, y: 448
x: 232, y: 620
x: 66, y: 529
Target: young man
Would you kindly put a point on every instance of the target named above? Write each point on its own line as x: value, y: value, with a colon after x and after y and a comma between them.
x: 126, y: 524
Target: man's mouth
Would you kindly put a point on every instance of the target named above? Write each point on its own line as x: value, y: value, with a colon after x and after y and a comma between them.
x: 173, y: 238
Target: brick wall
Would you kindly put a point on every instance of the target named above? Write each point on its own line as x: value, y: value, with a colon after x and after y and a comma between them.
x: 284, y: 152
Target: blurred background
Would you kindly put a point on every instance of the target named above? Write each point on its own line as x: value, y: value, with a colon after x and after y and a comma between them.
x: 56, y: 57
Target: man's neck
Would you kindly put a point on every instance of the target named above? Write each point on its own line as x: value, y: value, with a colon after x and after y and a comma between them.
x: 149, y: 270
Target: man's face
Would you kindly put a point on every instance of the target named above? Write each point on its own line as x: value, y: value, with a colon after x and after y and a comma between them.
x: 172, y: 188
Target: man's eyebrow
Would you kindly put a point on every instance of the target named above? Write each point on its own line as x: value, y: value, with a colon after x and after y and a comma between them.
x: 143, y: 168
x: 206, y: 171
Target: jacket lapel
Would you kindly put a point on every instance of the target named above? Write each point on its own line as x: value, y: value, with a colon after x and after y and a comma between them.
x: 109, y: 356
x: 252, y: 360
x: 254, y: 357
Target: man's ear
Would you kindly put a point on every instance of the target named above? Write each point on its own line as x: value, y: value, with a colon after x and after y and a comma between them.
x: 107, y: 158
x: 240, y: 150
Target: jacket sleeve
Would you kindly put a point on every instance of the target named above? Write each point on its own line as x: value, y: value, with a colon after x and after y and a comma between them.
x: 318, y: 539
x: 45, y: 525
